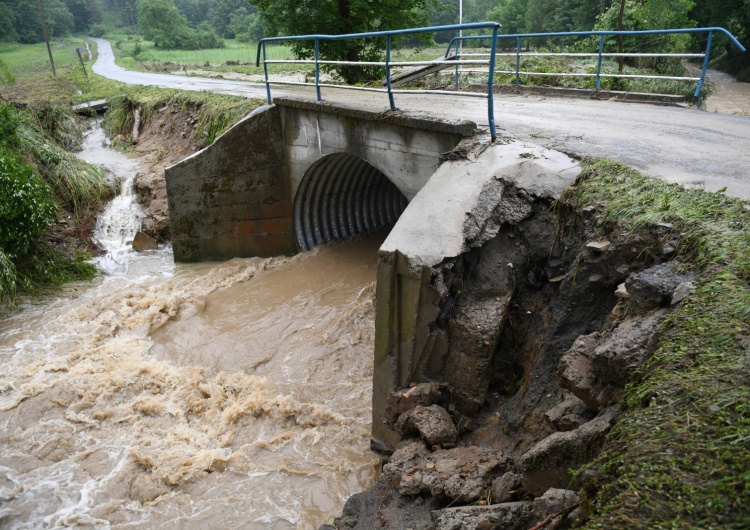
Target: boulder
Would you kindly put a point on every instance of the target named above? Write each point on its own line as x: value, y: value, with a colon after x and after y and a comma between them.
x: 505, y: 487
x: 462, y: 474
x: 595, y: 369
x: 553, y: 502
x: 654, y: 287
x: 568, y: 415
x: 432, y: 423
x: 548, y: 463
x: 402, y: 401
x: 142, y: 242
x: 506, y: 516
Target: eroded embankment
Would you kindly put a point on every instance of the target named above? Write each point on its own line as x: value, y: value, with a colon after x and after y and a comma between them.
x: 173, y: 126
x: 545, y: 410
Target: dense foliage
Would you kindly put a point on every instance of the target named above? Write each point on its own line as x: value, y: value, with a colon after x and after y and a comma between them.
x: 335, y: 17
x: 19, y: 19
x: 162, y: 23
x: 37, y: 177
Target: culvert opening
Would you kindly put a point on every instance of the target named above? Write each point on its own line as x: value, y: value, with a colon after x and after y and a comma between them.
x: 340, y: 196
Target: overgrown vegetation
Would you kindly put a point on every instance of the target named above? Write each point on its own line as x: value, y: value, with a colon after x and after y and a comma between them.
x: 215, y: 112
x: 34, y: 190
x: 679, y: 456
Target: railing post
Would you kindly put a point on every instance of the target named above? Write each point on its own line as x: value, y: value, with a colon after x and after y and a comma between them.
x: 388, y: 71
x: 705, y: 67
x: 599, y: 64
x: 518, y: 61
x: 265, y: 72
x: 490, y: 88
x: 458, y: 58
x: 317, y: 70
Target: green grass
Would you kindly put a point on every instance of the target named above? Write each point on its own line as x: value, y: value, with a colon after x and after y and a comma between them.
x: 35, y: 85
x: 25, y: 60
x: 215, y: 112
x: 234, y: 51
x: 679, y: 456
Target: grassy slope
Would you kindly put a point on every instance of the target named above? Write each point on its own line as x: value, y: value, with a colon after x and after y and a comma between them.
x: 679, y: 456
x: 78, y: 186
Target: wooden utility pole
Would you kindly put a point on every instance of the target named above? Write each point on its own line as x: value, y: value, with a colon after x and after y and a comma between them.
x: 46, y: 37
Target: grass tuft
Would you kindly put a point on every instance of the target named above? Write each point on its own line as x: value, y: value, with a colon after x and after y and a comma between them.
x: 679, y: 457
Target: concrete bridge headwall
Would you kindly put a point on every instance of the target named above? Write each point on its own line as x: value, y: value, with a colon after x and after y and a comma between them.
x: 295, y: 174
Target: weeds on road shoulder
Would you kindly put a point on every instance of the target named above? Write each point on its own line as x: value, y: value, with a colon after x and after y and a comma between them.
x: 679, y: 456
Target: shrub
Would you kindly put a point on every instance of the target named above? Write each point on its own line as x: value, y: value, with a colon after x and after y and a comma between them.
x: 97, y: 30
x: 26, y: 206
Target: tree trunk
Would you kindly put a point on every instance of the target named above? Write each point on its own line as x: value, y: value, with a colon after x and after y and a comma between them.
x: 350, y: 73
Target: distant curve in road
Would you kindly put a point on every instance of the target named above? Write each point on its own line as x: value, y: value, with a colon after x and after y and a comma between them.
x: 694, y: 148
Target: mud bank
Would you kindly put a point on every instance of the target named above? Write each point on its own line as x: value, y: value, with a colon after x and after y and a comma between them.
x: 541, y: 326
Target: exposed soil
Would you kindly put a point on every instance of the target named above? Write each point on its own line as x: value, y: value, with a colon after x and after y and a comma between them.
x: 166, y: 137
x: 581, y: 304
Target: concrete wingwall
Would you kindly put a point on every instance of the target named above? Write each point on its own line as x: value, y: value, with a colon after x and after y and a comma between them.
x: 421, y: 332
x: 236, y: 198
x: 233, y: 198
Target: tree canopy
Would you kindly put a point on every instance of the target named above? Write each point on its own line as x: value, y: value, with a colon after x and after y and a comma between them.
x: 162, y: 23
x: 336, y: 17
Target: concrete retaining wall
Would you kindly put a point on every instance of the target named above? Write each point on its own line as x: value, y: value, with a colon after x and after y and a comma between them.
x: 232, y: 199
x: 235, y: 198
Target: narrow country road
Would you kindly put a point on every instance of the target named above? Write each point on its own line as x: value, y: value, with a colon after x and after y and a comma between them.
x: 695, y: 148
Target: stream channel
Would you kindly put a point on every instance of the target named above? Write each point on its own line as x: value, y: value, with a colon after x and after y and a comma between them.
x: 222, y: 395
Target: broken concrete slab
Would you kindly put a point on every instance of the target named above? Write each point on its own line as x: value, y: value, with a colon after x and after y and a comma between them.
x: 462, y: 206
x: 548, y: 463
x: 432, y: 423
x: 505, y: 516
x: 463, y: 474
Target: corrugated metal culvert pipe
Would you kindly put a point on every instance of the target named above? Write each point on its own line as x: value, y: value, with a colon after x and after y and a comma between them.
x: 340, y: 196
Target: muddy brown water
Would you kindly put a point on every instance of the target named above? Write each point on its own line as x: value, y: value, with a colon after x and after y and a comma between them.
x: 231, y: 395
x: 729, y: 96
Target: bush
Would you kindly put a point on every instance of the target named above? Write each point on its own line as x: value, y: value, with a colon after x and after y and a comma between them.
x: 26, y: 206
x: 97, y: 30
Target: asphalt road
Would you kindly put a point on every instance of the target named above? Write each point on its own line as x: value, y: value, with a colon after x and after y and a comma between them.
x: 695, y: 148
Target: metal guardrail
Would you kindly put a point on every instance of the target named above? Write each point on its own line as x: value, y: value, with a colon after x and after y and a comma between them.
x: 455, y: 42
x: 388, y: 63
x: 473, y: 58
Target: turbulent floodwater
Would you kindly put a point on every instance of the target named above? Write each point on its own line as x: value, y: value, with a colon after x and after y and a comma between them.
x: 233, y: 395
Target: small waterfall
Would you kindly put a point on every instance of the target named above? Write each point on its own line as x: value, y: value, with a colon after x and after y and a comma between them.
x: 122, y: 217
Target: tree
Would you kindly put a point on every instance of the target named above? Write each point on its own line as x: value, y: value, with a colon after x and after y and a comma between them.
x: 84, y: 12
x: 223, y: 13
x: 512, y: 15
x: 196, y: 11
x: 161, y: 22
x: 336, y: 17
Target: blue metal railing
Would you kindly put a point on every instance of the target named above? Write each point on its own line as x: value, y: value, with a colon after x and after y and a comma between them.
x: 602, y: 35
x: 388, y: 63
